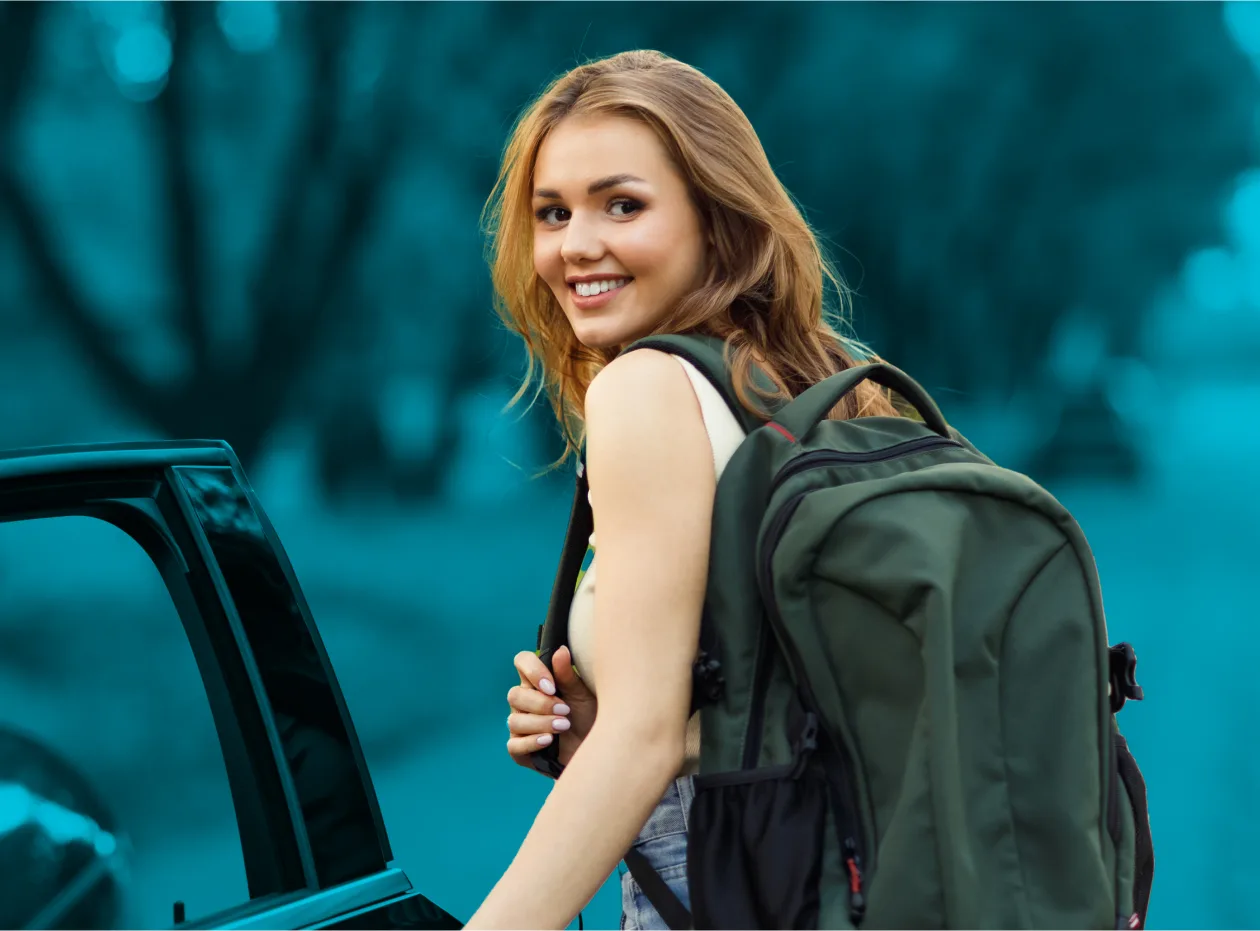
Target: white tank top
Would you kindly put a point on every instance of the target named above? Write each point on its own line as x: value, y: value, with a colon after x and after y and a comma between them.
x: 725, y: 434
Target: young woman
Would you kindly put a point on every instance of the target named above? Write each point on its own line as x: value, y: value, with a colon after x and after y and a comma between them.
x: 635, y: 198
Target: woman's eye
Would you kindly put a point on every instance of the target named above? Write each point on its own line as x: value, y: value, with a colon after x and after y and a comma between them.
x: 629, y: 204
x: 621, y: 207
x: 544, y: 214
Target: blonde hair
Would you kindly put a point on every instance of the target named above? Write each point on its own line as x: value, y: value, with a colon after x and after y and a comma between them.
x: 764, y: 292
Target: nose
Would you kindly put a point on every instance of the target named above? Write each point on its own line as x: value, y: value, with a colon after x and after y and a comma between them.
x: 581, y: 241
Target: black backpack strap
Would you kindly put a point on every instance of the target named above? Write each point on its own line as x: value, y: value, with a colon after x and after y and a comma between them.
x: 554, y: 633
x: 1143, y: 846
x: 667, y: 905
x: 1122, y: 659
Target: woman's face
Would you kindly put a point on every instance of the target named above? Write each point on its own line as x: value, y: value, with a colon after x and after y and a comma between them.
x: 616, y: 236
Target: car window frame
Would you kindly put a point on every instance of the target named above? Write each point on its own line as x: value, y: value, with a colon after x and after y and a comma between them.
x: 143, y: 489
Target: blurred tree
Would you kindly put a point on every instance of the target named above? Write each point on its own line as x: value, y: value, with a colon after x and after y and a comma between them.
x: 322, y: 202
x: 989, y: 168
x: 985, y: 170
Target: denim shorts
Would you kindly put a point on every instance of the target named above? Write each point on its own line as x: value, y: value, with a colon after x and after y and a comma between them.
x: 663, y: 841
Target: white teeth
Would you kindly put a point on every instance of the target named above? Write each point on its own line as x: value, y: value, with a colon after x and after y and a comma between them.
x: 591, y: 288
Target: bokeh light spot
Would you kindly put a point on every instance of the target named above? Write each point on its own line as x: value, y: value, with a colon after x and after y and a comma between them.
x: 1212, y: 280
x: 142, y: 54
x: 249, y: 26
x: 1242, y: 19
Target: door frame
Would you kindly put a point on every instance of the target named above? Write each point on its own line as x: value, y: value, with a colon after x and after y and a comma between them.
x: 144, y: 490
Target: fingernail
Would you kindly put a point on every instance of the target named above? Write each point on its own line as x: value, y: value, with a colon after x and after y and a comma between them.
x: 560, y: 708
x: 544, y: 740
x: 546, y: 686
x: 560, y: 724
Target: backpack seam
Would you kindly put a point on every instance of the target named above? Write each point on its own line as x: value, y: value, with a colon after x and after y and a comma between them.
x: 1098, y: 615
x: 1036, y: 508
x: 1006, y: 769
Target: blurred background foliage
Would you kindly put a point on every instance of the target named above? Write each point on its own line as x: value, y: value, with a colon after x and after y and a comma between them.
x: 259, y: 221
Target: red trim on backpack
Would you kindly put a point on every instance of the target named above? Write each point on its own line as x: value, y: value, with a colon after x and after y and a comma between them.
x: 855, y: 878
x: 775, y: 426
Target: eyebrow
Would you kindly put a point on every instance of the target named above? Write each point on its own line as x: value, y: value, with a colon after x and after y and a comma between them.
x: 595, y: 187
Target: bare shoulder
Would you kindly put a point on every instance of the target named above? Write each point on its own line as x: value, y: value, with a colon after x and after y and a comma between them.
x: 643, y: 378
x: 642, y: 411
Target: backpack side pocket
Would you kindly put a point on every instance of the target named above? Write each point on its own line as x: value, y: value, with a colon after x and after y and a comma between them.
x: 755, y: 846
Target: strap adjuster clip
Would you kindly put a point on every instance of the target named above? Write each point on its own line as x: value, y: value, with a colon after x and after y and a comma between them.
x: 1123, y: 675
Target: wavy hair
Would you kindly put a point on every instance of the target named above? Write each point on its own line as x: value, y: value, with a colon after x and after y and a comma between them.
x: 764, y: 292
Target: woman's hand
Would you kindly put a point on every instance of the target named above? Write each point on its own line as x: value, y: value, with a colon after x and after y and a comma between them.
x: 543, y: 711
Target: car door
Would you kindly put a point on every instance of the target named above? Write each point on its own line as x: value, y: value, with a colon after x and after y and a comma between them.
x: 315, y: 849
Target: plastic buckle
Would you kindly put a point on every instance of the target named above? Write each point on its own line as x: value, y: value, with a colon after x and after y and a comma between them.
x: 806, y: 744
x: 808, y: 740
x: 1123, y: 675
x: 707, y: 681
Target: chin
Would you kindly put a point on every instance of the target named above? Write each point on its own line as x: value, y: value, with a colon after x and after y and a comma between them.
x: 604, y: 334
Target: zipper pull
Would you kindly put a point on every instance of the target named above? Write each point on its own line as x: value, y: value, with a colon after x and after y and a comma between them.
x: 857, y: 899
x: 806, y: 744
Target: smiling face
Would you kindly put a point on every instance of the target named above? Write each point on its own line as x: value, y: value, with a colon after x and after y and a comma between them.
x: 611, y: 212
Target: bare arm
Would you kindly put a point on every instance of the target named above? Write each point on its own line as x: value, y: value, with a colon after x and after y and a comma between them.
x: 652, y: 482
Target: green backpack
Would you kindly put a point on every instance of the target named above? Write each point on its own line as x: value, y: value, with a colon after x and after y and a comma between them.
x: 906, y: 691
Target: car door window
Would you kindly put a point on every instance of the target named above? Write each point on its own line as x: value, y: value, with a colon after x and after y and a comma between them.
x: 106, y: 739
x: 309, y: 834
x: 341, y: 821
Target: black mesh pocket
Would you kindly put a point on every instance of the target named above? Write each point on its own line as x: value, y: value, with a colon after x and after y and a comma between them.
x: 754, y: 851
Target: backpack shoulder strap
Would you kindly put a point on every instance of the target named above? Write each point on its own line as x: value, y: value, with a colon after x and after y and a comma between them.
x: 657, y: 891
x: 554, y: 633
x: 708, y: 354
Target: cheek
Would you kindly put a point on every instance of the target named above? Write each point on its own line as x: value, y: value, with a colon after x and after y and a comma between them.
x: 663, y: 252
x: 645, y: 253
x: 546, y: 260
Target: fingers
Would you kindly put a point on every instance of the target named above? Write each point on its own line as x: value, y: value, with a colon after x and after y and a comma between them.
x: 532, y: 732
x: 535, y: 719
x: 533, y: 672
x: 521, y: 725
x: 540, y: 714
x: 531, y: 701
x: 520, y: 748
x: 535, y: 713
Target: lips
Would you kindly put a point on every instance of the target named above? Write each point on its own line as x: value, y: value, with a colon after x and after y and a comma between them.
x: 580, y: 292
x: 617, y: 281
x: 596, y: 300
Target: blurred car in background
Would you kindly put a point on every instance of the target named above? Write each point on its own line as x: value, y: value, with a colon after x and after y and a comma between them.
x: 61, y: 855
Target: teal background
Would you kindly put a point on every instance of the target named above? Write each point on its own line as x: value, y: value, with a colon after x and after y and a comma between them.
x: 259, y: 222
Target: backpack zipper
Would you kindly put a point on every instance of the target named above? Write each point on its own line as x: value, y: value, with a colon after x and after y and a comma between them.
x: 845, y: 799
x: 761, y: 673
x: 820, y: 458
x: 844, y: 796
x: 817, y: 459
x: 757, y: 714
